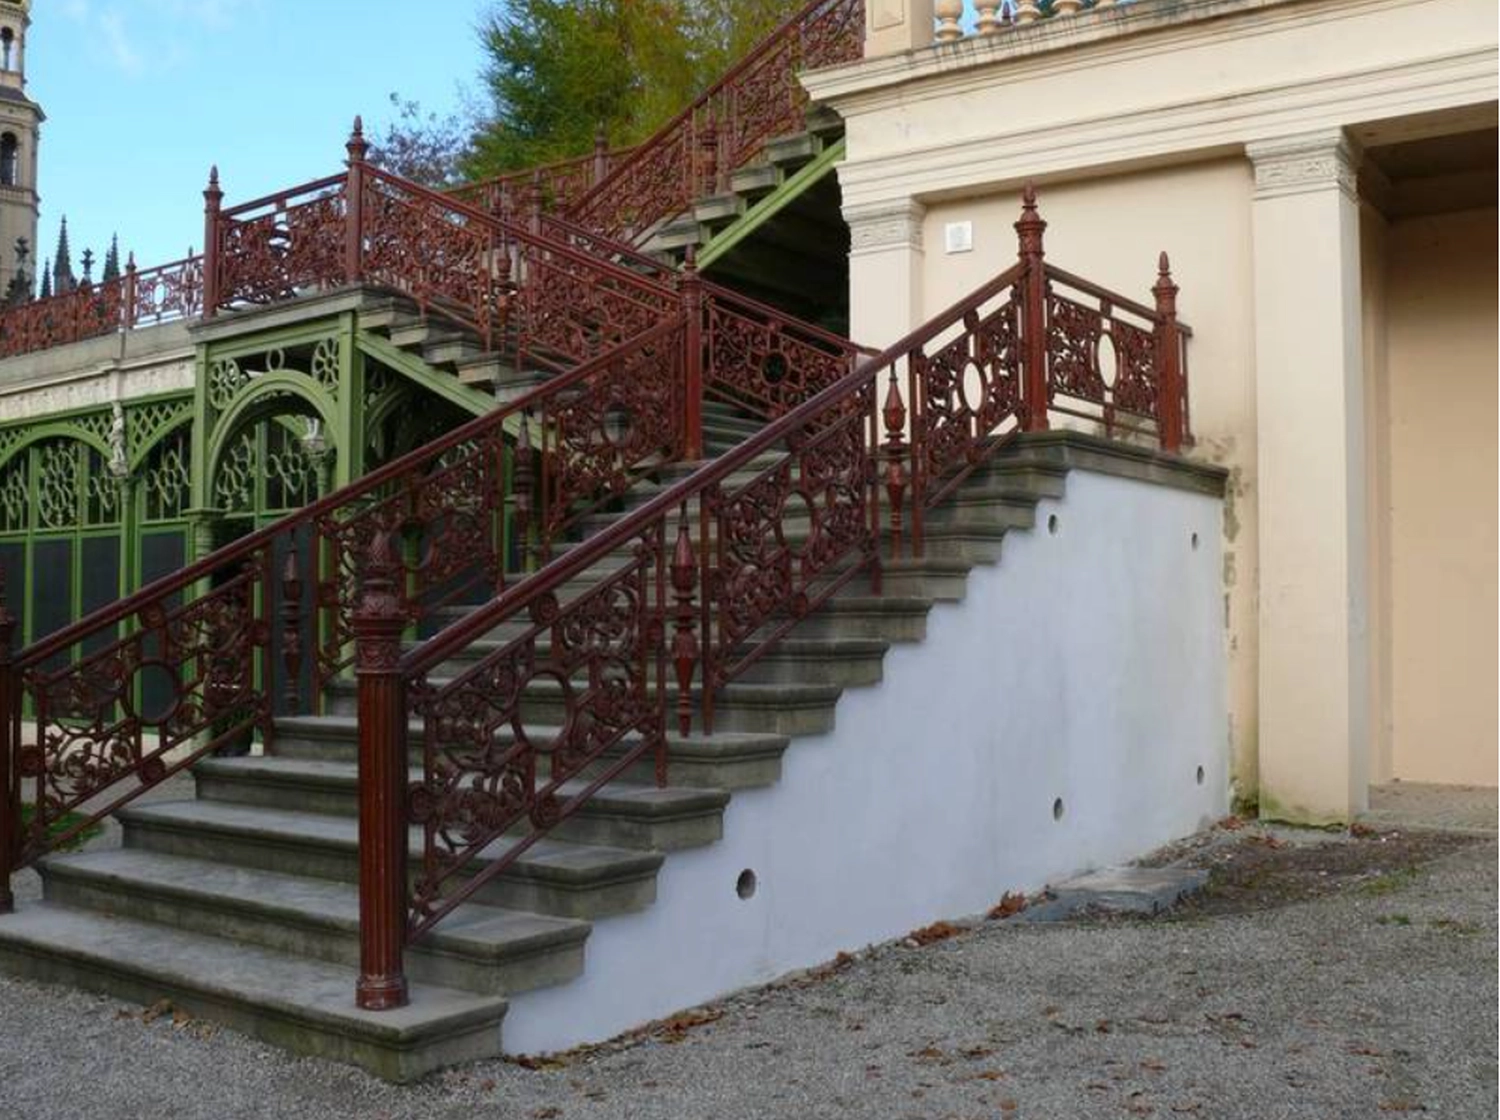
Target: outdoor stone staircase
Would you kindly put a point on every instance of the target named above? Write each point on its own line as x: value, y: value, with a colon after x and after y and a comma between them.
x: 241, y: 905
x: 780, y: 159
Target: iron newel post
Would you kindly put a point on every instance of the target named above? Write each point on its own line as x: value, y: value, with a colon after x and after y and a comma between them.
x: 692, y: 374
x: 354, y: 204
x: 1029, y: 230
x: 1168, y: 359
x: 378, y: 624
x: 213, y: 199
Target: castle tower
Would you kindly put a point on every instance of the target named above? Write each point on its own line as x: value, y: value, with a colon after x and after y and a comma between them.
x: 20, y: 128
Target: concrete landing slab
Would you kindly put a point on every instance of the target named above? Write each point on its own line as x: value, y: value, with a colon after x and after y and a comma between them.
x: 1119, y: 890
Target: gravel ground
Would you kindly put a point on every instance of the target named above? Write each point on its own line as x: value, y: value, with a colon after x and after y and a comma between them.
x: 1375, y: 998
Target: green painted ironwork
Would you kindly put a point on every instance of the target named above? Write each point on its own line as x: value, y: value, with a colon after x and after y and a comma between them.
x: 767, y: 208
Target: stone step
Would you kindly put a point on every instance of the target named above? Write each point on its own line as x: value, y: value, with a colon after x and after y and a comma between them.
x: 778, y: 709
x: 299, y: 1004
x: 846, y: 662
x: 794, y: 149
x: 453, y: 351
x: 552, y: 877
x: 425, y: 332
x: 619, y: 815
x: 475, y: 948
x: 727, y: 761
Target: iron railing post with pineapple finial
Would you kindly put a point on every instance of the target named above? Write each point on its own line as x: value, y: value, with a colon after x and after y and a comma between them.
x: 894, y: 414
x: 1029, y: 230
x: 378, y: 623
x: 213, y: 200
x: 127, y: 310
x: 354, y: 198
x: 692, y: 373
x: 1168, y: 359
x: 10, y: 802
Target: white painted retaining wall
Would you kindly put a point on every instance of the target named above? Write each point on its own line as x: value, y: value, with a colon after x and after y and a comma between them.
x: 1088, y: 666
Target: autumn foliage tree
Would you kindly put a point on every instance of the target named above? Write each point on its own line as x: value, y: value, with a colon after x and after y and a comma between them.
x: 559, y: 70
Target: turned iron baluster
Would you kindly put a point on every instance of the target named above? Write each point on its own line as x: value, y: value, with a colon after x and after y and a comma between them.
x: 894, y: 414
x: 684, y: 641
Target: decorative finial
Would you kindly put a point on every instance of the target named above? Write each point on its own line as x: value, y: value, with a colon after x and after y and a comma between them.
x: 1163, y: 265
x: 1028, y: 195
x: 213, y: 177
x: 690, y: 262
x: 359, y: 125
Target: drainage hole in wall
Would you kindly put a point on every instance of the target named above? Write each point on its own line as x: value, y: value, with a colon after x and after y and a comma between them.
x: 745, y: 885
x: 1052, y: 524
x: 1200, y: 775
x: 1195, y: 542
x: 1057, y: 809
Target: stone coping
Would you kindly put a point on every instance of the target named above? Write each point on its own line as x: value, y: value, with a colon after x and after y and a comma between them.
x: 1082, y: 451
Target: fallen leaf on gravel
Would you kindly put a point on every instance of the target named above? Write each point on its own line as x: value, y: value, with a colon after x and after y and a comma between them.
x: 179, y: 1017
x: 529, y: 1061
x: 974, y: 1053
x: 1402, y: 1106
x: 124, y: 1014
x: 546, y: 1114
x: 1011, y: 904
x: 488, y: 1084
x: 1097, y: 1086
x: 156, y: 1011
x: 1361, y: 830
x: 931, y: 1055
x: 1231, y: 824
x: 676, y: 1028
x: 938, y: 931
x: 1008, y: 1105
x: 1153, y: 1065
x: 1103, y: 1026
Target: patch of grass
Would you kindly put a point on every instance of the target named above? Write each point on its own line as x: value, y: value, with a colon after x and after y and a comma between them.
x: 1456, y: 925
x: 63, y: 824
x: 1389, y: 882
x: 1393, y: 920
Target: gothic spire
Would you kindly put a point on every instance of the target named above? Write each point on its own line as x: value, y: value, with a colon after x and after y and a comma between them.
x: 46, y: 292
x: 112, y: 260
x: 63, y: 280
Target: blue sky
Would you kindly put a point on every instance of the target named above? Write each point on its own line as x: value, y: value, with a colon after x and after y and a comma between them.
x: 141, y: 96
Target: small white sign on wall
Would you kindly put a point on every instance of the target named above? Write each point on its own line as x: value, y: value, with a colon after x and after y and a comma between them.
x: 958, y: 237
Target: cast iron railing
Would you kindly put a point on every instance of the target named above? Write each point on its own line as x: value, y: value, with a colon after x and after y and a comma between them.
x: 571, y: 677
x: 129, y: 695
x: 726, y: 127
x: 550, y: 188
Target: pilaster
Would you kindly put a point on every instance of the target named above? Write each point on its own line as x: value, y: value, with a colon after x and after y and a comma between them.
x: 885, y: 270
x: 1310, y: 399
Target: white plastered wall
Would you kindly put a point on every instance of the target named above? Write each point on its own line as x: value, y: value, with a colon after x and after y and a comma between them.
x: 1087, y: 666
x: 1110, y: 230
x: 1441, y: 355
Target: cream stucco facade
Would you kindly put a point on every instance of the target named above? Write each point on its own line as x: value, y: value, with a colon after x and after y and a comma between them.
x: 1323, y: 174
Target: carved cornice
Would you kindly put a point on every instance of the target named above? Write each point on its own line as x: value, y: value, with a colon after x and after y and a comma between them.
x: 1314, y: 161
x: 890, y: 226
x: 96, y: 389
